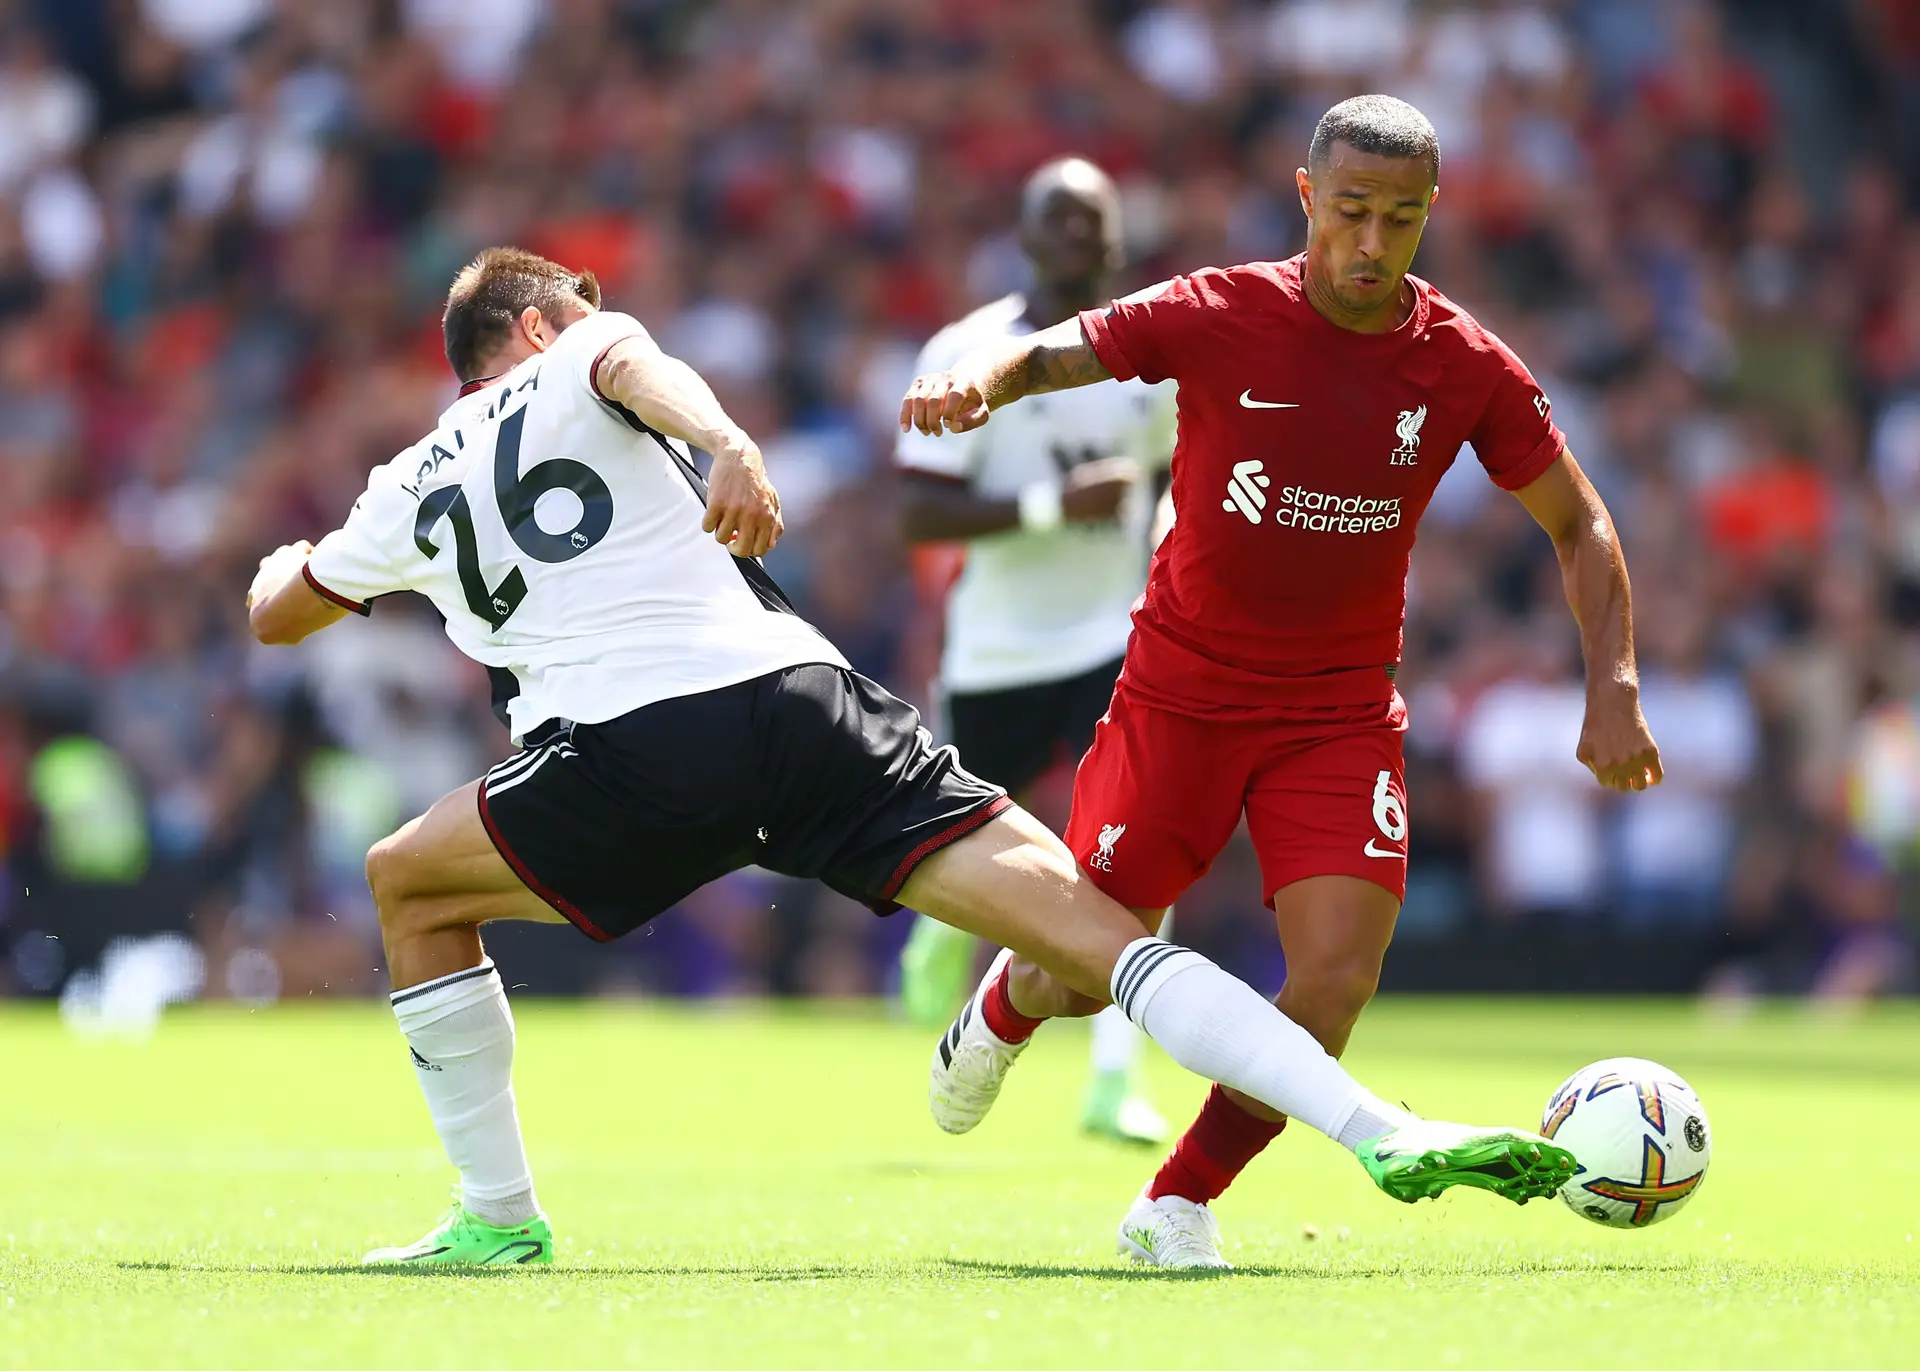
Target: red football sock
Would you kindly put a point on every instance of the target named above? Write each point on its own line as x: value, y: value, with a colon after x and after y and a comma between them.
x: 1009, y: 1025
x: 1215, y: 1149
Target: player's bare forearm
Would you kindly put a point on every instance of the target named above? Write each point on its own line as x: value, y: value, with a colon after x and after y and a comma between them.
x: 665, y: 393
x: 1594, y: 574
x: 743, y: 509
x: 1615, y: 741
x: 959, y: 399
x: 936, y: 510
x: 282, y: 608
x: 940, y: 510
x: 1057, y: 358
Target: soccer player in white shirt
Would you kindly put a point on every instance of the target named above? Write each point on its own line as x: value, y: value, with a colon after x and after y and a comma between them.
x: 678, y: 721
x: 1053, y: 503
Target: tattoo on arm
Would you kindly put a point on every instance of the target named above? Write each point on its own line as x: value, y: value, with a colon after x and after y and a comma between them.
x: 1057, y: 358
x: 1062, y: 367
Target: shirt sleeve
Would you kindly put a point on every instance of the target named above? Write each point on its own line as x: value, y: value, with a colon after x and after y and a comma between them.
x: 367, y: 556
x: 1153, y: 333
x: 1515, y: 439
x: 952, y: 455
x: 586, y: 343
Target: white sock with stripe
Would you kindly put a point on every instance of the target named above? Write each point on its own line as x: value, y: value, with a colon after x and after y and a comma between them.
x: 1115, y: 1046
x: 460, y: 1031
x: 1220, y: 1027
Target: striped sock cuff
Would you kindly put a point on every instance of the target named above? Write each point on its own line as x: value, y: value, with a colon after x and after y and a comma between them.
x: 419, y: 1005
x: 1145, y: 966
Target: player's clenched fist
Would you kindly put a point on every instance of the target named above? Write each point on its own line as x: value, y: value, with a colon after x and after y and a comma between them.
x: 743, y: 509
x: 276, y: 568
x: 1617, y: 746
x: 944, y: 401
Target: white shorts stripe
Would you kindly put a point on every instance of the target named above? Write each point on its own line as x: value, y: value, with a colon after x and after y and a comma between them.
x: 513, y: 765
x: 519, y: 762
x: 558, y: 749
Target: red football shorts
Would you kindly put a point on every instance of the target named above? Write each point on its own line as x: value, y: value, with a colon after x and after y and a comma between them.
x: 1159, y: 794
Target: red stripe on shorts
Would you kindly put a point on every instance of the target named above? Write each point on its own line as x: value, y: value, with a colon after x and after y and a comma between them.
x: 945, y: 836
x: 533, y: 882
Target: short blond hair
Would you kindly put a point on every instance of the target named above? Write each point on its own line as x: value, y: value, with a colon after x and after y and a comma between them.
x: 491, y: 291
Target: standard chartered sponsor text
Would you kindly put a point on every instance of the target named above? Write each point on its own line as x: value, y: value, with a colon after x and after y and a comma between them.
x: 1317, y: 511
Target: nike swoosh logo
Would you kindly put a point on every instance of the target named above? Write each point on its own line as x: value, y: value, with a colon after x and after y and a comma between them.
x: 1246, y: 399
x: 1374, y: 851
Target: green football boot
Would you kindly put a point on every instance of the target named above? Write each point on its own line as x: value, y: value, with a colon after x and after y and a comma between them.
x: 460, y: 1239
x: 1420, y: 1159
x: 936, y: 972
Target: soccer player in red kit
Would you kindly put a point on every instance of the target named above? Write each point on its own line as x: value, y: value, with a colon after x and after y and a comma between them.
x: 1321, y: 399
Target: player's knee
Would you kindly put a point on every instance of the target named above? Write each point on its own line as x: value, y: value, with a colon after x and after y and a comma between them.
x: 1330, y: 994
x: 1350, y: 983
x: 387, y: 879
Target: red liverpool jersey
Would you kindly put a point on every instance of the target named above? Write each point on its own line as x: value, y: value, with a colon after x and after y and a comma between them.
x: 1307, y: 454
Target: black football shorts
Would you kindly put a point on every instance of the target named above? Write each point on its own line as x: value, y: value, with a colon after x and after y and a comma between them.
x: 1012, y: 736
x: 810, y: 771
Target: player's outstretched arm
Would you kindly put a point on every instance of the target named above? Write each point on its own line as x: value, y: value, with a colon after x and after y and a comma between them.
x: 281, y: 607
x: 743, y: 509
x: 959, y: 399
x: 1615, y: 743
x: 936, y: 509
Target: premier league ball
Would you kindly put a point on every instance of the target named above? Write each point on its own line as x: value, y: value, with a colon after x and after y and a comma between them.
x: 1640, y: 1136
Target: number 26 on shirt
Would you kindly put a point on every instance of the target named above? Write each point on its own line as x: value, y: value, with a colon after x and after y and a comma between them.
x: 516, y: 496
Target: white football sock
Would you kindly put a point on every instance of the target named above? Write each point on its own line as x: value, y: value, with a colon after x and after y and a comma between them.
x: 1116, y: 1042
x: 1219, y: 1027
x: 461, y: 1034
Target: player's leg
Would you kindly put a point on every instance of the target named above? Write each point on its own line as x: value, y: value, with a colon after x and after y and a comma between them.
x: 1013, y: 882
x: 1007, y: 738
x: 1332, y: 928
x: 602, y: 826
x: 856, y: 795
x: 1154, y: 800
x: 1327, y: 812
x: 1112, y: 1107
x: 434, y: 882
x: 1145, y: 823
x: 1334, y: 932
x: 1328, y: 820
x: 1017, y: 996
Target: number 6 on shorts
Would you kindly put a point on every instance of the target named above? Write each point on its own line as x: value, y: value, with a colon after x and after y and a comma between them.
x: 1389, y: 814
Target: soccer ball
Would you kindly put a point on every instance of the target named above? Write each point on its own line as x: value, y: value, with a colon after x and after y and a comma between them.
x: 1640, y: 1136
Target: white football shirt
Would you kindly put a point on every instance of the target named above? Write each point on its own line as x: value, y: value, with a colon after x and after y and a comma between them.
x: 1036, y: 607
x: 561, y: 541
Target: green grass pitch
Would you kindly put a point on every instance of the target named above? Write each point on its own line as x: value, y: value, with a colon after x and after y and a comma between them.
x: 760, y: 1188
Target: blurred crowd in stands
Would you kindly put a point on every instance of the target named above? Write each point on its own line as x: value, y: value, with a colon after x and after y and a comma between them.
x: 226, y: 227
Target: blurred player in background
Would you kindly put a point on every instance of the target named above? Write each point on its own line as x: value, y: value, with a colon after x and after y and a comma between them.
x: 1321, y: 399
x: 677, y: 720
x: 1054, y: 505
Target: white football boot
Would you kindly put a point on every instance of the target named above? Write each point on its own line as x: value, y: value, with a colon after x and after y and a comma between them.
x: 1172, y: 1233
x: 970, y: 1063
